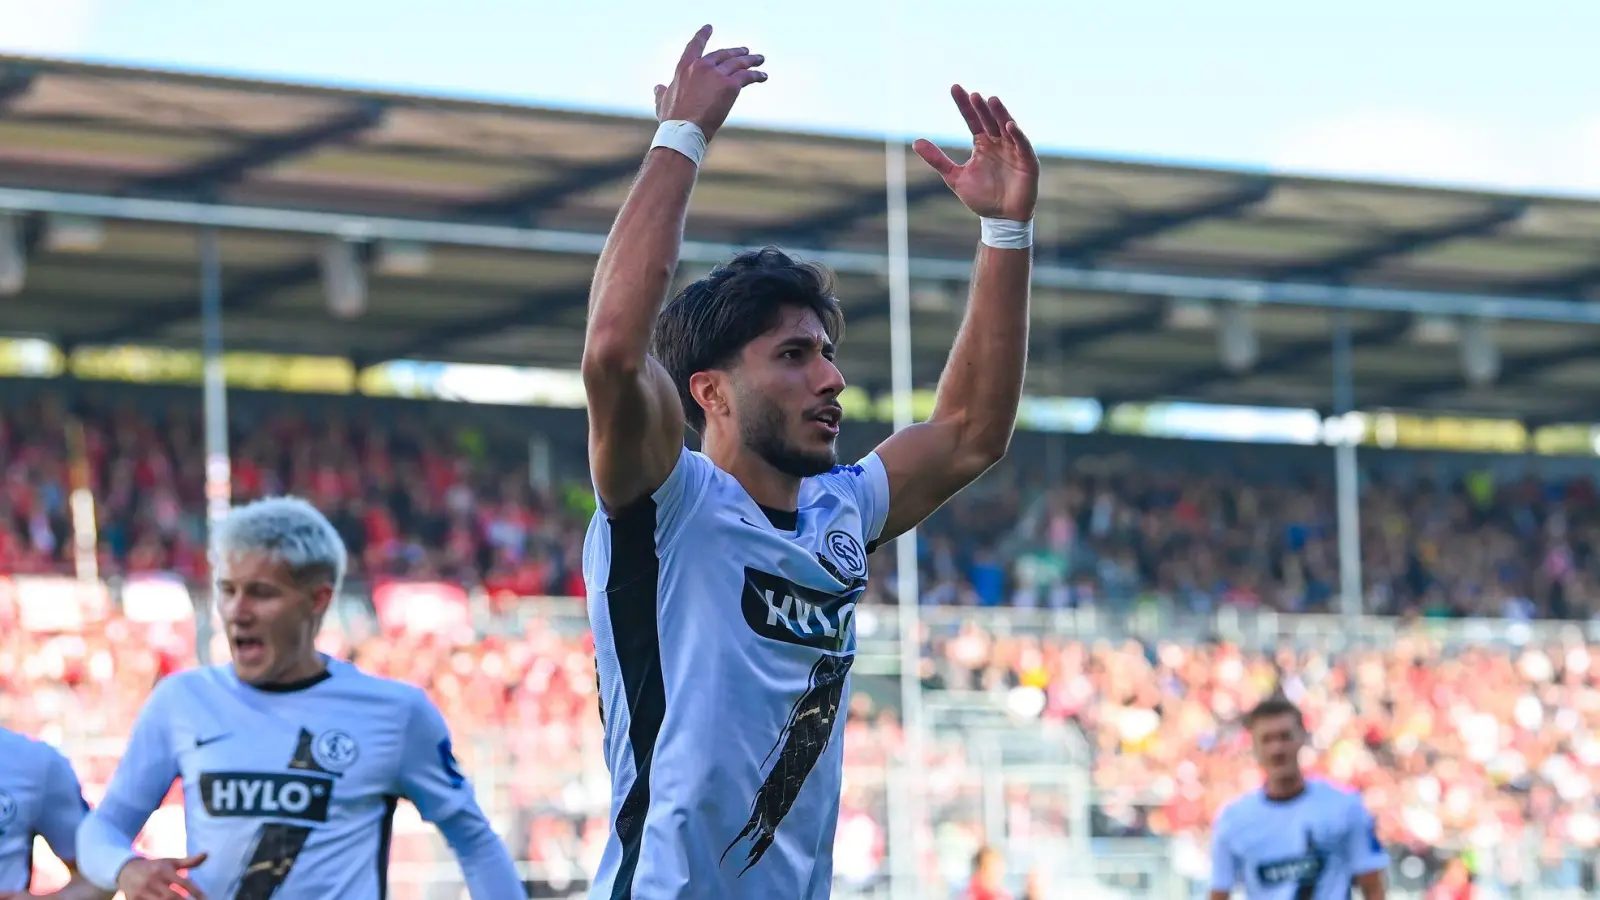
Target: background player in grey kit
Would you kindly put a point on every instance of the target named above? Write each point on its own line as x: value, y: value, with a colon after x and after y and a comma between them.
x: 722, y: 583
x: 39, y: 795
x: 291, y: 762
x: 1293, y: 839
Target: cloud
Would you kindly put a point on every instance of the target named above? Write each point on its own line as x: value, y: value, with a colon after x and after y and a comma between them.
x: 1406, y: 145
x: 46, y: 27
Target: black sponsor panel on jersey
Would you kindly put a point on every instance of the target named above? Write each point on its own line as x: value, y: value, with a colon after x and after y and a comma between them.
x: 779, y: 609
x: 1298, y: 870
x: 302, y: 797
x: 1305, y: 870
x: 800, y: 744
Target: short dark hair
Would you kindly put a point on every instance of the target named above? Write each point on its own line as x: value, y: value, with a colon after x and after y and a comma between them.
x: 1271, y: 708
x: 711, y: 321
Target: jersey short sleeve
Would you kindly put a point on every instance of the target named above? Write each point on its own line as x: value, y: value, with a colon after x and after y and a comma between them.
x: 675, y: 500
x: 429, y: 776
x: 63, y: 808
x: 1365, y: 851
x: 867, y: 483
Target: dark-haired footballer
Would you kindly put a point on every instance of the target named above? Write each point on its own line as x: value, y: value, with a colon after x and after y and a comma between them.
x: 1294, y: 839
x: 722, y: 583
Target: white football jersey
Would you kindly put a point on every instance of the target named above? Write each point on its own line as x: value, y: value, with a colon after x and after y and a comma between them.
x: 290, y: 790
x: 1310, y: 847
x: 724, y: 635
x: 39, y: 796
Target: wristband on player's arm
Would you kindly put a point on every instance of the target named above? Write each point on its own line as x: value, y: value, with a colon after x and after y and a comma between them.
x: 1006, y: 234
x: 683, y: 136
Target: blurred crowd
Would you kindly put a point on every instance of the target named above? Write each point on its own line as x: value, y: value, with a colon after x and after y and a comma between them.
x: 1113, y: 527
x: 1487, y: 756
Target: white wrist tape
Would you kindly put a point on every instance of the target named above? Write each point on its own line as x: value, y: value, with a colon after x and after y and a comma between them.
x: 1007, y: 234
x: 683, y: 136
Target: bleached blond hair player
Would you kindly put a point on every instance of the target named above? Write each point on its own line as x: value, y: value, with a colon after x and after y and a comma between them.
x: 722, y: 583
x: 292, y: 763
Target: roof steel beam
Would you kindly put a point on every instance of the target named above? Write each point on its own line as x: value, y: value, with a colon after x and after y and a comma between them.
x: 1516, y: 370
x: 528, y: 202
x: 15, y: 81
x: 820, y: 225
x: 220, y: 171
x: 1196, y: 287
x: 533, y: 309
x: 245, y: 291
x: 1341, y: 267
x: 1150, y: 224
x: 1284, y: 358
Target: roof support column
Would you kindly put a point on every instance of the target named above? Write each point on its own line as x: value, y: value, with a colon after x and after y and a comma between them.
x: 219, y: 469
x: 1345, y: 473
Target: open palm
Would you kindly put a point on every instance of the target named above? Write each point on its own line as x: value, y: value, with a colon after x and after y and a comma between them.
x: 1001, y: 178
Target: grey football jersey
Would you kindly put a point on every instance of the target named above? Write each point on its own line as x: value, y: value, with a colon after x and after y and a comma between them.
x: 290, y: 792
x: 1310, y: 847
x: 724, y: 635
x: 39, y: 797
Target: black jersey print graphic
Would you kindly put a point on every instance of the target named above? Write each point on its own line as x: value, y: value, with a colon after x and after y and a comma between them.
x: 278, y: 844
x: 1304, y: 871
x: 800, y: 744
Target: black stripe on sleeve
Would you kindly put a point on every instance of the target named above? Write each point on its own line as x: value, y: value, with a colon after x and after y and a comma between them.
x: 631, y: 588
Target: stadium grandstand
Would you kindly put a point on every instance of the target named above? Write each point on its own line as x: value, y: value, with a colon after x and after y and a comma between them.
x: 392, y: 290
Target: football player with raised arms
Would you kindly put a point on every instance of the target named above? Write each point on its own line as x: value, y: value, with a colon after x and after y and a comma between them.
x: 291, y: 762
x: 39, y: 796
x: 722, y: 583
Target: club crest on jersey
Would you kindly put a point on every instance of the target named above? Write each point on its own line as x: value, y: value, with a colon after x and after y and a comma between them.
x: 335, y: 750
x: 781, y: 610
x: 846, y: 554
x: 8, y: 809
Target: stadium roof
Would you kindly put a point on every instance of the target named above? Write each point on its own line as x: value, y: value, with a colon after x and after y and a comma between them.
x: 97, y: 139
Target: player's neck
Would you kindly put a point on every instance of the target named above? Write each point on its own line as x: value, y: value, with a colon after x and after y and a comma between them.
x: 305, y: 670
x: 1286, y: 788
x: 765, y: 485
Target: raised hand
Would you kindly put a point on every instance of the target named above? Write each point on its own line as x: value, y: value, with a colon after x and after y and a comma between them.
x: 1001, y: 178
x: 159, y: 879
x: 706, y: 84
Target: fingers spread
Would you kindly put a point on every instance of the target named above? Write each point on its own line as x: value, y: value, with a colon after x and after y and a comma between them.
x: 1014, y: 131
x: 740, y: 63
x: 991, y: 126
x: 999, y: 111
x: 718, y: 57
x: 696, y: 47
x: 933, y: 156
x: 964, y: 103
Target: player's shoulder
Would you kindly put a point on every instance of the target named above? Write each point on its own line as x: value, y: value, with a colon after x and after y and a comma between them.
x: 185, y: 685
x: 1334, y: 795
x: 846, y: 479
x: 354, y: 678
x: 1238, y: 808
x: 21, y: 750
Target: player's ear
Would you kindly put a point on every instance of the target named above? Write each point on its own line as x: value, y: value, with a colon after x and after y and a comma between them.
x: 321, y: 599
x: 710, y: 389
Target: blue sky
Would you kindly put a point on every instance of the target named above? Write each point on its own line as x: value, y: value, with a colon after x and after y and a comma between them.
x: 1421, y: 90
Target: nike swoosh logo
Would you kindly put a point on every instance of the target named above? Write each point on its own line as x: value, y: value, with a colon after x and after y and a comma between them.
x: 201, y: 742
x: 748, y: 522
